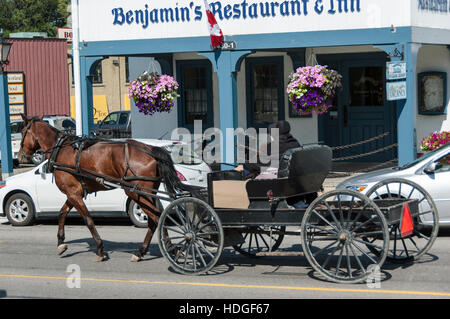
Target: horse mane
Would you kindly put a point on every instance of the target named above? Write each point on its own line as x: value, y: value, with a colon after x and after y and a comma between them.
x: 37, y: 119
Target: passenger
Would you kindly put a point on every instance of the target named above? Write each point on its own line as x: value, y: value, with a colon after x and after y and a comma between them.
x: 286, y: 142
x: 261, y: 171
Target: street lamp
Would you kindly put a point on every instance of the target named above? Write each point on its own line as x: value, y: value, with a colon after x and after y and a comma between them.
x: 5, y: 47
x: 5, y: 136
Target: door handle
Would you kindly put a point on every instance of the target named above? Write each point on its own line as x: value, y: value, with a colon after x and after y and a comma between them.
x: 345, y: 115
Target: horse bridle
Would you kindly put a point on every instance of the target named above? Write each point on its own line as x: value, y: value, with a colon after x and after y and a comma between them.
x: 27, y: 130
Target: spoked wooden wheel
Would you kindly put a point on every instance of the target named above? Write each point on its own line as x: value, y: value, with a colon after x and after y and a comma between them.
x: 190, y: 236
x: 332, y: 233
x: 426, y: 221
x: 260, y: 239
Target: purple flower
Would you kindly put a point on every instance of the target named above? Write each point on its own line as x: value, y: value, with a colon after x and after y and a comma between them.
x: 312, y: 88
x: 153, y: 93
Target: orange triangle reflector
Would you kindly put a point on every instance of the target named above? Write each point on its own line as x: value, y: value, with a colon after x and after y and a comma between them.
x: 406, y: 226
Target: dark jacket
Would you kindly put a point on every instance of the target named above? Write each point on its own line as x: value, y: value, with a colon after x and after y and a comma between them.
x: 286, y: 142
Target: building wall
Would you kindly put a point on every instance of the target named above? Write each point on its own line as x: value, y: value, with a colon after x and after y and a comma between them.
x: 44, y: 63
x: 433, y: 58
x: 110, y: 95
x: 304, y: 129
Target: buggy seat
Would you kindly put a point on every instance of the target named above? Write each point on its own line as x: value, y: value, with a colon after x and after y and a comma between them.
x: 301, y: 171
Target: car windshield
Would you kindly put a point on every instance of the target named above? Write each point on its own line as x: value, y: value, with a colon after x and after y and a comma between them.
x: 183, y: 154
x: 64, y: 124
x: 16, y: 127
x: 424, y: 158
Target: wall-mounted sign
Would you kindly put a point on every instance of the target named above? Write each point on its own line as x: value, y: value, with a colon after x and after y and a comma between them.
x: 396, y: 91
x: 396, y: 70
x: 15, y: 77
x: 432, y: 93
x: 15, y: 88
x: 106, y: 20
x: 65, y: 33
x: 17, y: 109
x: 16, y: 92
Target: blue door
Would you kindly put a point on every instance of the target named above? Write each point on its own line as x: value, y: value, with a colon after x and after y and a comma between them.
x: 360, y: 110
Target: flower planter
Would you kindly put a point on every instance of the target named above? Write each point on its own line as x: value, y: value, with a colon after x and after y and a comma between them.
x: 312, y: 89
x: 434, y: 141
x: 153, y: 93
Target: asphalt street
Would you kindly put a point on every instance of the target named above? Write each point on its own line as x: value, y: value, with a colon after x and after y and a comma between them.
x: 30, y: 268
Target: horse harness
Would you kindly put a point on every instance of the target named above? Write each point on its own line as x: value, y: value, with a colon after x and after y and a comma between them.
x: 81, y: 144
x: 109, y: 182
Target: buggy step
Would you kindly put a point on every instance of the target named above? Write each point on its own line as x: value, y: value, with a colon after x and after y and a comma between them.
x: 280, y: 254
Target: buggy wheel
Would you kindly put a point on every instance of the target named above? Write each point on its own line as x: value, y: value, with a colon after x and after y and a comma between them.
x: 190, y: 236
x: 426, y: 222
x: 259, y: 239
x: 332, y: 233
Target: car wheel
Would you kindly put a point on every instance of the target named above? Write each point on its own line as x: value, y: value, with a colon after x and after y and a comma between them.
x: 37, y: 158
x: 138, y: 216
x: 20, y: 210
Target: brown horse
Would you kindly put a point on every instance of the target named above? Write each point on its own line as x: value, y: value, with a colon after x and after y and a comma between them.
x: 127, y: 160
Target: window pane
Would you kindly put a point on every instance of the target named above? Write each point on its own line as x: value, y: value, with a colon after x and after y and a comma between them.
x: 98, y: 76
x: 16, y: 127
x: 123, y: 119
x: 195, y: 93
x: 111, y: 119
x: 445, y: 162
x: 265, y: 93
x: 366, y: 86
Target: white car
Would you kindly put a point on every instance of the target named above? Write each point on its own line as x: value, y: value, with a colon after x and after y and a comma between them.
x: 431, y: 172
x: 34, y: 194
x: 16, y: 138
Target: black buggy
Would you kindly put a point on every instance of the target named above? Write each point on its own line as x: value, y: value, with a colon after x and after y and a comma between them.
x: 345, y: 235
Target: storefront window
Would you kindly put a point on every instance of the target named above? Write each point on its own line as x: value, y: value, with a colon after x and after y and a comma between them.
x: 265, y: 88
x: 98, y: 74
x: 366, y: 86
x: 195, y: 90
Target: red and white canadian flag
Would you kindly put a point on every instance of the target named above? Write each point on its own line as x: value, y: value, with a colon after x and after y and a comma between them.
x: 213, y: 28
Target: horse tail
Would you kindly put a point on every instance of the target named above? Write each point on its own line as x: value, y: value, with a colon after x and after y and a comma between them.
x: 168, y: 172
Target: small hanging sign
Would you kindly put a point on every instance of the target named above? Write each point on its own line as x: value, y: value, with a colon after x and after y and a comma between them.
x: 395, y: 70
x: 396, y: 91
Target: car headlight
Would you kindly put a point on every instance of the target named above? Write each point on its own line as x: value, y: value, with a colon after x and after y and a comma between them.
x: 356, y: 188
x: 2, y: 184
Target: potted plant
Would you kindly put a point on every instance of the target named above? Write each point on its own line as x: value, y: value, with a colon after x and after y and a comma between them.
x: 312, y: 89
x: 153, y: 92
x: 434, y: 141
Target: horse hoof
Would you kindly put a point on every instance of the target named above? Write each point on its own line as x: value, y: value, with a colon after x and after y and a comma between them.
x: 62, y: 248
x: 98, y: 259
x: 135, y: 258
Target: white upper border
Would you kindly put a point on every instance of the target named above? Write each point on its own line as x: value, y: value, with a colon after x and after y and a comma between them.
x: 109, y: 20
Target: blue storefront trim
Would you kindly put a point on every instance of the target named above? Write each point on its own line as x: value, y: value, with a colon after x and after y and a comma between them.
x: 250, y: 42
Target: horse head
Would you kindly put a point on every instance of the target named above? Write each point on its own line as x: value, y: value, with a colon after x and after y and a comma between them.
x: 34, y: 137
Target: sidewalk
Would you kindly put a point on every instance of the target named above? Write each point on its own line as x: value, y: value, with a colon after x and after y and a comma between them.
x: 342, y: 171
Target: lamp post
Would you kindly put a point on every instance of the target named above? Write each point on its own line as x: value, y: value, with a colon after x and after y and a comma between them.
x: 5, y: 131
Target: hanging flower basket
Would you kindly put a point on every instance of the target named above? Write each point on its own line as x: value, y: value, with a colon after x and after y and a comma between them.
x: 152, y: 93
x: 313, y: 88
x: 435, y: 140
